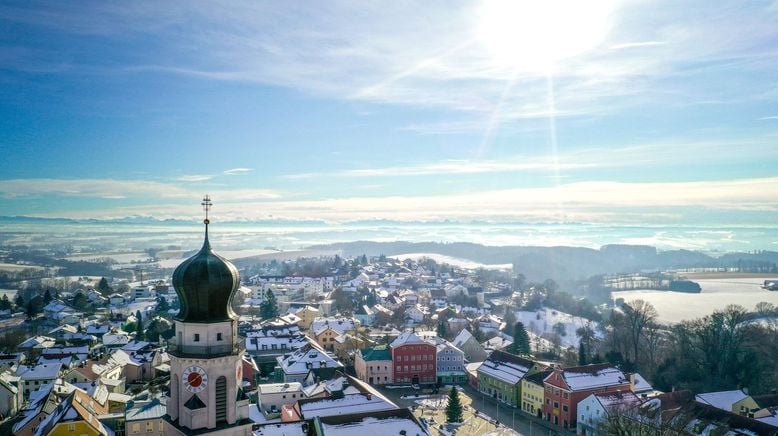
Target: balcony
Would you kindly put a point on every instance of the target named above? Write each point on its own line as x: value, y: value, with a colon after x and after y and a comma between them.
x: 205, y: 351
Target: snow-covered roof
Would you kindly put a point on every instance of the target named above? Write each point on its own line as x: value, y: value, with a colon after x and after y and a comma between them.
x: 617, y: 399
x: 143, y: 410
x: 406, y: 338
x: 277, y: 388
x: 282, y: 429
x: 722, y: 400
x: 38, y: 342
x: 592, y: 376
x: 340, y: 325
x: 307, y: 358
x: 461, y: 338
x: 352, y: 403
x: 39, y: 372
x: 40, y: 400
x: 506, y: 367
x: 498, y: 342
x: 393, y: 422
x: 640, y: 384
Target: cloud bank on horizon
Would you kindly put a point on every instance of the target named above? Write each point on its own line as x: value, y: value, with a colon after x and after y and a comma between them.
x: 622, y: 111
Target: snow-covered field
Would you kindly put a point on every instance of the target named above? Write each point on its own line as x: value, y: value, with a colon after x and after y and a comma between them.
x: 541, y: 322
x: 454, y: 261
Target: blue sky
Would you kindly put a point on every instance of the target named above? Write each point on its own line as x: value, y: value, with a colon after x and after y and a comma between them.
x: 628, y: 112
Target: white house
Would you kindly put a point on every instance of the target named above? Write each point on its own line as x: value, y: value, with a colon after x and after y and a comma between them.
x: 273, y: 396
x: 593, y: 410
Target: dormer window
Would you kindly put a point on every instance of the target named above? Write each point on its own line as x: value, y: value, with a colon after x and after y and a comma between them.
x: 197, y: 337
x: 218, y: 336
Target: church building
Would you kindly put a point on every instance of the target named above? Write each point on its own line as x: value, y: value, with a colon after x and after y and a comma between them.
x: 206, y: 368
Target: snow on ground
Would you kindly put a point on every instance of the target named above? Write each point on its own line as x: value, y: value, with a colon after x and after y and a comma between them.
x: 541, y: 322
x: 433, y: 403
x: 453, y: 261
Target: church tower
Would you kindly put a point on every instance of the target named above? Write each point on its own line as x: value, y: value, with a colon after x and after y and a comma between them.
x: 206, y: 368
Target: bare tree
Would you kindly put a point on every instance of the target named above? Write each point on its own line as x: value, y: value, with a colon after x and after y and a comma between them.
x: 638, y: 314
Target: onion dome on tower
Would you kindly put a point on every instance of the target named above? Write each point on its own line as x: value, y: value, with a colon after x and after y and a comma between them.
x: 206, y: 283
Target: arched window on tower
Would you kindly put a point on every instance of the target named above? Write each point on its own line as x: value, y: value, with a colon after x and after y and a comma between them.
x: 221, y: 399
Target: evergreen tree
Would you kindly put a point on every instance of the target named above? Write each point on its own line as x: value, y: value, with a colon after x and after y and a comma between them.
x: 47, y: 297
x: 162, y: 305
x: 35, y: 306
x: 442, y: 329
x: 103, y: 287
x: 520, y: 343
x: 19, y: 301
x: 269, y: 308
x: 139, y: 332
x: 581, y: 354
x: 5, y: 303
x: 454, y: 407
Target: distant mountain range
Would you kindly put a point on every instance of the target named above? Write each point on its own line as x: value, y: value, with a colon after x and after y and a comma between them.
x: 562, y: 263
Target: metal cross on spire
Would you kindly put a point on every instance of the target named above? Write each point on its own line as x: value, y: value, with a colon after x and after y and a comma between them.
x: 206, y: 207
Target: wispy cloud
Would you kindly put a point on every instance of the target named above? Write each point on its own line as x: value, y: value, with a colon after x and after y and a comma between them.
x: 639, y: 44
x: 194, y: 178
x: 238, y: 171
x: 589, y: 201
x: 448, y: 167
x: 120, y: 189
x: 670, y: 151
x: 772, y: 117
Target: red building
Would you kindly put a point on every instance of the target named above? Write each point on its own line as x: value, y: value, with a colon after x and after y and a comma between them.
x: 565, y: 388
x: 413, y: 360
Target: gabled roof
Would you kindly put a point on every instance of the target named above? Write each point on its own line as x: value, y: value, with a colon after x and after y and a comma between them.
x: 309, y: 357
x: 585, y: 377
x: 406, y: 338
x: 143, y: 410
x: 75, y: 408
x: 47, y: 371
x: 43, y: 400
x: 538, y: 377
x: 462, y: 337
x: 339, y: 325
x: 506, y: 367
x: 387, y: 422
x: 722, y: 400
x: 38, y: 342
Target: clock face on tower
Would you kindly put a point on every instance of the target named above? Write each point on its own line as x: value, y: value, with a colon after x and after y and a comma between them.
x: 195, y: 379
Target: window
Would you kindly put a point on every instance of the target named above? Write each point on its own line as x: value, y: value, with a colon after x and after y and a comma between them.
x: 565, y: 395
x: 564, y: 407
x: 218, y: 336
x: 149, y: 427
x: 197, y: 337
x: 71, y: 427
x: 136, y: 428
x: 556, y: 405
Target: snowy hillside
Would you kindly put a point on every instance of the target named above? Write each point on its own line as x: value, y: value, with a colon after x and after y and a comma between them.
x: 541, y: 322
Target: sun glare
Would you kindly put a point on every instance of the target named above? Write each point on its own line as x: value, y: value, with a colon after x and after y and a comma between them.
x: 534, y: 35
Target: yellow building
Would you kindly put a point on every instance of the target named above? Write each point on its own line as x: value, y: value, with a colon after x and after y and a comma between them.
x: 307, y: 314
x: 76, y: 415
x: 532, y: 393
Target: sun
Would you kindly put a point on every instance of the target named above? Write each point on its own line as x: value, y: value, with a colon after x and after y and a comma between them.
x: 535, y: 35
